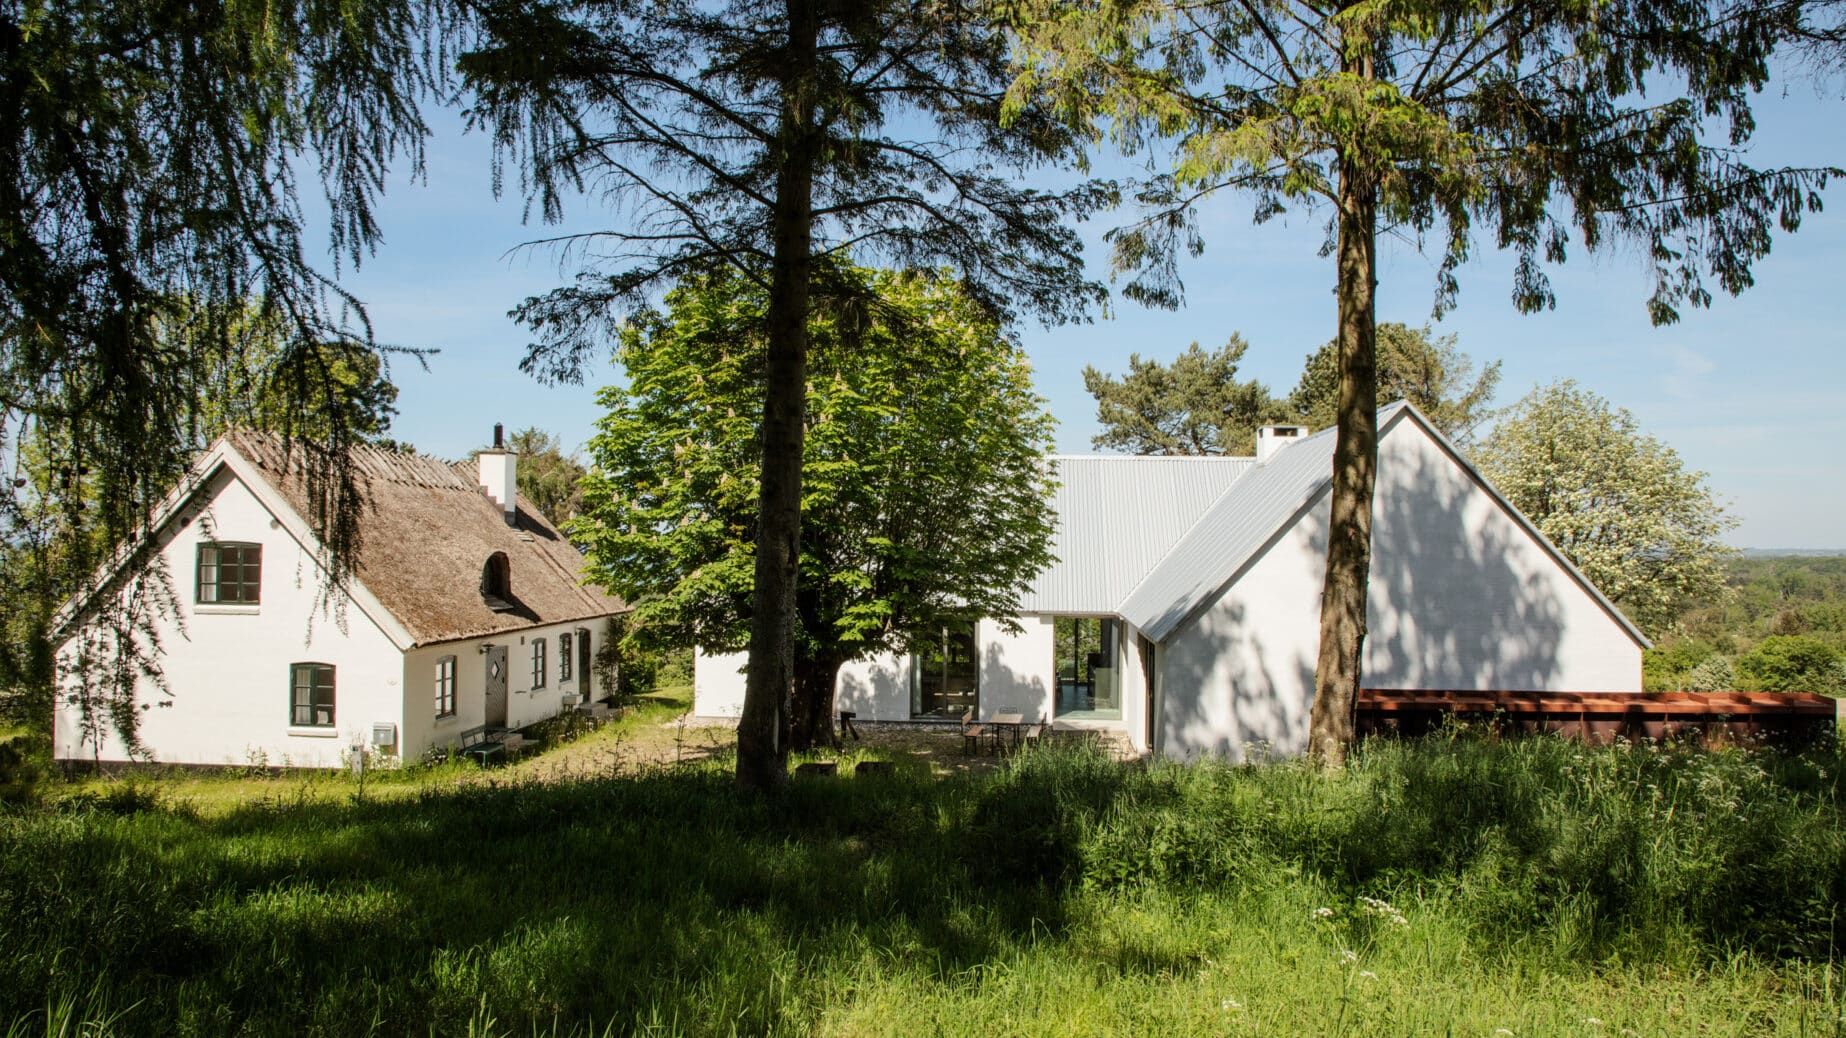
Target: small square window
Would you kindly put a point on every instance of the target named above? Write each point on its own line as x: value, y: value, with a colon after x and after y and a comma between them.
x: 311, y: 695
x: 445, y: 687
x: 230, y: 574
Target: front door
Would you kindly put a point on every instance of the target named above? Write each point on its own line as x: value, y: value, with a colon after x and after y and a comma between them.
x: 496, y: 686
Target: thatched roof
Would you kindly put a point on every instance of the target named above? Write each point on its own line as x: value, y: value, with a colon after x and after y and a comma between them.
x: 426, y: 532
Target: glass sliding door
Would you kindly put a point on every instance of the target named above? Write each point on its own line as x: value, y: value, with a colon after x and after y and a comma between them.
x: 1089, y: 675
x: 947, y: 673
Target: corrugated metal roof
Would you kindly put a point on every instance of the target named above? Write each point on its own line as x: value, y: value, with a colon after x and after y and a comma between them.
x: 1118, y: 516
x: 1233, y: 530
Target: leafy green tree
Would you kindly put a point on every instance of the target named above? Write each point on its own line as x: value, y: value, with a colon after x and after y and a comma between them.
x: 767, y: 135
x: 1617, y: 502
x: 547, y: 476
x: 151, y: 156
x: 1518, y: 118
x: 1793, y: 663
x: 1196, y: 405
x: 925, y: 492
x: 1427, y: 370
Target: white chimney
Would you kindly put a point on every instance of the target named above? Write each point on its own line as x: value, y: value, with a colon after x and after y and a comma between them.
x: 499, y: 474
x: 1272, y: 438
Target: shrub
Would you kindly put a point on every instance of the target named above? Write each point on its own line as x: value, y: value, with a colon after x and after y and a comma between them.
x: 1793, y: 663
x: 1716, y: 673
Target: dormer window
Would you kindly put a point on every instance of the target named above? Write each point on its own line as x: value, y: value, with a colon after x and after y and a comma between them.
x: 230, y: 574
x: 497, y: 583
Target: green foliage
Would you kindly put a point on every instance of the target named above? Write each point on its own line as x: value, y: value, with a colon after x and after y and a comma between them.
x: 1793, y: 663
x: 151, y: 159
x: 1515, y: 119
x: 1195, y: 405
x: 1447, y: 886
x: 154, y: 269
x: 1615, y: 501
x: 924, y: 491
x: 1714, y: 673
x: 1414, y: 365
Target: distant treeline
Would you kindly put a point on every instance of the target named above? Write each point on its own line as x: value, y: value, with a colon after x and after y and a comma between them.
x: 1781, y: 628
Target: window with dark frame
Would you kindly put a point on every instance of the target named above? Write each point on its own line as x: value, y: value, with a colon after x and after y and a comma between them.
x: 445, y: 687
x: 538, y: 663
x: 563, y: 658
x: 230, y: 573
x: 311, y: 695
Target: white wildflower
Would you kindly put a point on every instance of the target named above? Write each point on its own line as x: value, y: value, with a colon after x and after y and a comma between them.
x: 1592, y: 1021
x: 1348, y: 955
x: 1368, y: 974
x: 1323, y: 913
x: 1229, y: 1004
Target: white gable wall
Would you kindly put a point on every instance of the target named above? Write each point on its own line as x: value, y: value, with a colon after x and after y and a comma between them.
x: 229, y: 671
x: 1461, y: 597
x: 1464, y: 597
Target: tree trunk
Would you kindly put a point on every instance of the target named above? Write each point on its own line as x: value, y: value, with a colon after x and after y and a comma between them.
x: 1355, y: 464
x: 763, y: 730
x: 815, y: 679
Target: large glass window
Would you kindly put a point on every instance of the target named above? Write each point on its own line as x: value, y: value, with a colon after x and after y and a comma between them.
x: 1089, y: 677
x: 310, y: 695
x: 948, y: 673
x: 230, y: 574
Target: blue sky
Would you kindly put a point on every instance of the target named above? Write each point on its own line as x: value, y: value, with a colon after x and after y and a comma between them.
x: 1749, y: 391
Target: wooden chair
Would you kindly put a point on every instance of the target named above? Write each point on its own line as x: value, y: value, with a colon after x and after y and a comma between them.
x: 971, y: 733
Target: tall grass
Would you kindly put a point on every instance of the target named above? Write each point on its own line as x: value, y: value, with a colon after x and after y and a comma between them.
x: 1447, y: 886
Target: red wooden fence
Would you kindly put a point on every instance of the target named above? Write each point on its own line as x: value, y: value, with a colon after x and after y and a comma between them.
x: 1602, y: 716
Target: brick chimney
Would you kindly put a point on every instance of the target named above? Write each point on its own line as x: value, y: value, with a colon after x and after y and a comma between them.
x: 500, y: 474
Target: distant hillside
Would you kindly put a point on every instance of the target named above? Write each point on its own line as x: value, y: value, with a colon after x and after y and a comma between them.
x: 1782, y: 553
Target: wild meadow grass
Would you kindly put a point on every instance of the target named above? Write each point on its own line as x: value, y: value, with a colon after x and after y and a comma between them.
x: 1448, y: 886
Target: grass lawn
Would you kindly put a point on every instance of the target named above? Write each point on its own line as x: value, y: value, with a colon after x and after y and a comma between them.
x: 1451, y: 886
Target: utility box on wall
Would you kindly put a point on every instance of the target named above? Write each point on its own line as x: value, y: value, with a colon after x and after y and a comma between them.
x: 384, y: 733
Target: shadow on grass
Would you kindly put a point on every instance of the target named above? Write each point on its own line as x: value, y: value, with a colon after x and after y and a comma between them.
x: 668, y: 899
x: 667, y: 896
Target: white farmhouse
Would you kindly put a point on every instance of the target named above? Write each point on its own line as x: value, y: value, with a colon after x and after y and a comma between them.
x: 465, y: 609
x: 1183, y: 611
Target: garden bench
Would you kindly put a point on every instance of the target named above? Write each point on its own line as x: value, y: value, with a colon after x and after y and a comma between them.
x: 483, y: 743
x: 971, y: 733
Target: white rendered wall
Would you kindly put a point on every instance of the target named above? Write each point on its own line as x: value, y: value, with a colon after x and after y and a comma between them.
x: 1134, y: 686
x: 1461, y: 597
x: 524, y: 704
x: 876, y: 688
x: 718, y: 683
x: 229, y: 670
x: 1016, y: 669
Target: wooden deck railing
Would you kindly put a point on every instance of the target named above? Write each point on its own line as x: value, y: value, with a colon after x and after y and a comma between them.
x: 1602, y: 716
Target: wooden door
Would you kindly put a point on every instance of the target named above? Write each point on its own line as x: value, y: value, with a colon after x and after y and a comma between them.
x: 496, y: 686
